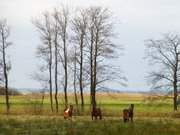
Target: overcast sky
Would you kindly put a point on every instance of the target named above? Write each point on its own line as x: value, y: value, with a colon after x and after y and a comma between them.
x: 136, y: 21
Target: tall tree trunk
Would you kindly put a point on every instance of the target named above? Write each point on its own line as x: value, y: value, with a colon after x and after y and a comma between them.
x: 175, y: 99
x: 56, y: 75
x: 93, y: 99
x: 175, y: 93
x: 175, y: 83
x: 65, y: 71
x: 81, y: 73
x: 5, y: 76
x: 50, y: 76
x: 62, y: 22
x: 75, y: 92
x: 95, y: 69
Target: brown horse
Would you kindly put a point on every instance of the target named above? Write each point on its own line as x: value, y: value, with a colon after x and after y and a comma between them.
x: 96, y: 112
x: 68, y: 112
x: 128, y: 113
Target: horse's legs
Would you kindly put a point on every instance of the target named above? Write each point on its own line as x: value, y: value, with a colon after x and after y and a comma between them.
x: 124, y: 120
x: 131, y: 118
x: 100, y: 116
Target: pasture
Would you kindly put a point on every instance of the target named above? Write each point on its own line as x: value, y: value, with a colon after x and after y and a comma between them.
x: 153, y: 116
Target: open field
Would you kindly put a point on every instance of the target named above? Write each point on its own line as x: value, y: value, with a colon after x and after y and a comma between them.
x: 28, y: 117
x: 111, y: 104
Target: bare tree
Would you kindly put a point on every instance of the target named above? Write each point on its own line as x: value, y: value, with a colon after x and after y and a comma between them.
x: 4, y: 44
x: 100, y: 46
x: 62, y: 18
x: 44, y: 26
x: 75, y: 77
x: 164, y: 53
x: 56, y: 50
x: 79, y: 27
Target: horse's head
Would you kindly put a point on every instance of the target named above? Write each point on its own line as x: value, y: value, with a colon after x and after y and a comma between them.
x: 132, y: 106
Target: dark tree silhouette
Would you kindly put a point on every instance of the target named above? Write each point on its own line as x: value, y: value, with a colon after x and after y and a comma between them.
x: 62, y: 18
x: 79, y: 28
x: 56, y: 51
x: 44, y: 51
x: 164, y: 53
x: 100, y: 47
x: 4, y: 44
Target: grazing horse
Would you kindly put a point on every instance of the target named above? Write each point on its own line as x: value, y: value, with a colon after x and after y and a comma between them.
x: 128, y: 113
x: 68, y: 112
x: 96, y: 112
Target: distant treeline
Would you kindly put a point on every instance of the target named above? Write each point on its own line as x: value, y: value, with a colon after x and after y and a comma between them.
x: 10, y: 92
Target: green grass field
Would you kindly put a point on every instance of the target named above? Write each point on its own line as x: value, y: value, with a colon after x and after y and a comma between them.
x: 55, y: 125
x: 111, y: 104
x: 28, y: 117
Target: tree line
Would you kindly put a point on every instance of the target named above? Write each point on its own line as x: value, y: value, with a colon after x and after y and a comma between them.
x: 76, y: 48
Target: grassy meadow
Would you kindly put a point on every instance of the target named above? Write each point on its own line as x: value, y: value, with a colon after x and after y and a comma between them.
x: 111, y: 104
x: 153, y: 116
